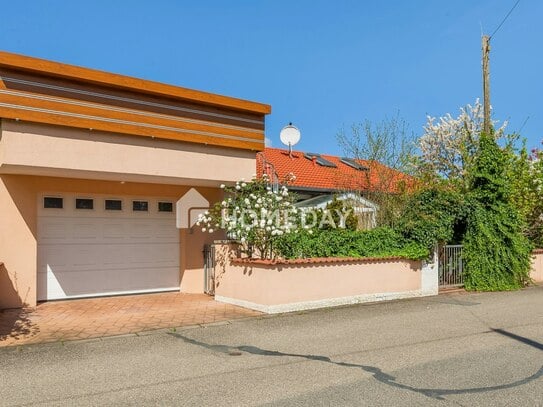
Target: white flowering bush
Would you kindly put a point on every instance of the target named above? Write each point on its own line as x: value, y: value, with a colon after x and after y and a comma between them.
x: 255, y: 214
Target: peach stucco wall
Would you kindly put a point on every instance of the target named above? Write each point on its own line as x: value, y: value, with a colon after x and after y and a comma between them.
x: 37, y: 158
x: 34, y: 149
x: 280, y: 284
x: 537, y: 266
x: 18, y: 246
x: 18, y: 222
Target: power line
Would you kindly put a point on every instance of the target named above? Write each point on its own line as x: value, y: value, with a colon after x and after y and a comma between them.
x: 523, y: 124
x: 505, y: 18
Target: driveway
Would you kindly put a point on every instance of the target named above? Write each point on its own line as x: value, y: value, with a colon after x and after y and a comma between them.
x: 450, y: 350
x: 98, y: 317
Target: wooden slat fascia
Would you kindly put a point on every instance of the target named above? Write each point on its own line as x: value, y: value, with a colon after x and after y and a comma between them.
x: 130, y: 129
x: 72, y: 72
x: 63, y: 105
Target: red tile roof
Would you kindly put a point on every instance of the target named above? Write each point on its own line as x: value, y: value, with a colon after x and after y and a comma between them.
x: 309, y: 174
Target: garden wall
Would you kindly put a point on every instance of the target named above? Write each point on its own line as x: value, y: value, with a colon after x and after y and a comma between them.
x: 292, y: 285
x: 537, y: 266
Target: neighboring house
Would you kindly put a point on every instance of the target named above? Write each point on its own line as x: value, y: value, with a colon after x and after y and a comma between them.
x: 321, y: 177
x: 363, y: 209
x: 98, y: 169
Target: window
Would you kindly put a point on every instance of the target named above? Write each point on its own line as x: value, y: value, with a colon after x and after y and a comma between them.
x: 140, y: 206
x: 114, y: 205
x: 53, y: 202
x: 165, y: 207
x: 84, y: 203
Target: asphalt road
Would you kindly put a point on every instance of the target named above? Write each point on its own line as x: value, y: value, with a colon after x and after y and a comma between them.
x: 456, y: 349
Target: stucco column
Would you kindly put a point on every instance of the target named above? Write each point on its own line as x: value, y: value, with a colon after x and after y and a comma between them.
x: 430, y: 275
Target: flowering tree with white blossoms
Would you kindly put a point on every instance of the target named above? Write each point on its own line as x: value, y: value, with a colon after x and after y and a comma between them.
x: 448, y: 145
x: 255, y: 214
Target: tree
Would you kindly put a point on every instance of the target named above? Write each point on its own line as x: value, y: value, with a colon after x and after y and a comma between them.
x: 449, y: 145
x: 386, y: 149
x: 525, y: 175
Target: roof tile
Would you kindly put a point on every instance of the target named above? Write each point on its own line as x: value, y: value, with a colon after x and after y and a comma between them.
x: 309, y: 174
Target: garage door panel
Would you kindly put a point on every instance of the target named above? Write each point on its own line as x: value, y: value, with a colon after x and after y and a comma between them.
x: 69, y: 285
x: 63, y: 258
x: 101, y: 253
x: 166, y: 236
x: 161, y: 230
x: 42, y: 285
x: 115, y: 255
x: 82, y: 258
x: 52, y: 229
x: 167, y: 255
x: 88, y: 230
x: 141, y: 230
x: 168, y: 260
x: 55, y: 258
x: 73, y: 256
x: 114, y: 230
x: 161, y: 277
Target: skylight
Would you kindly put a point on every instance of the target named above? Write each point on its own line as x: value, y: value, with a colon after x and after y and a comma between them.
x: 351, y: 162
x: 321, y: 161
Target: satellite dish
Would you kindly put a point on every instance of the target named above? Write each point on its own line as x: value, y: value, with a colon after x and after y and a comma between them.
x: 290, y: 135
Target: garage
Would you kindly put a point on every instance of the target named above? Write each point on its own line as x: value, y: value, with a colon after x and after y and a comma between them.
x: 93, y: 245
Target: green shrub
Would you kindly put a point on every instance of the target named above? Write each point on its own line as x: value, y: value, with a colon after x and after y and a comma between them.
x: 379, y: 242
x: 432, y: 216
x: 339, y: 206
x: 525, y: 175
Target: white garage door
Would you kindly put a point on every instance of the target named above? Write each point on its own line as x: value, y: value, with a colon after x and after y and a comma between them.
x: 96, y: 245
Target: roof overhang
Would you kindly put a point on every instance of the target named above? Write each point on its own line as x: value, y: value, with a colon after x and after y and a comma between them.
x: 97, y: 77
x: 42, y: 91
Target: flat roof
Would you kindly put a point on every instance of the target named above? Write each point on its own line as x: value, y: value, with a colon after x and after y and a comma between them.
x: 94, y: 76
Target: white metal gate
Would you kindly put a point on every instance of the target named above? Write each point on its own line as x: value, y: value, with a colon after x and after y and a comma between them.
x: 451, y: 266
x: 209, y: 269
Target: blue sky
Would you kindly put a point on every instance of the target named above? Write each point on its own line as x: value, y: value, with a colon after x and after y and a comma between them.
x: 320, y: 64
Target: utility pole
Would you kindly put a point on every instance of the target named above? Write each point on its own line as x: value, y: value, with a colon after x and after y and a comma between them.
x: 486, y: 84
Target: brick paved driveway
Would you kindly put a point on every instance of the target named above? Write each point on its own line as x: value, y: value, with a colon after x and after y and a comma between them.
x: 97, y: 317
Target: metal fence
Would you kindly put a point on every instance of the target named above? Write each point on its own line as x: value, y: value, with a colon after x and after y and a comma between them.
x: 209, y: 269
x: 451, y: 266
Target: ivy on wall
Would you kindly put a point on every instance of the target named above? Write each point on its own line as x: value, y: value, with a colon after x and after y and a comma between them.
x: 496, y: 252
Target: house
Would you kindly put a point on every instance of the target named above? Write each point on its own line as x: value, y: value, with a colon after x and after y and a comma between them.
x: 319, y: 178
x: 102, y: 175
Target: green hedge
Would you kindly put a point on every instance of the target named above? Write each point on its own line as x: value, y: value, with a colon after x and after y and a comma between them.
x: 434, y: 215
x: 379, y: 242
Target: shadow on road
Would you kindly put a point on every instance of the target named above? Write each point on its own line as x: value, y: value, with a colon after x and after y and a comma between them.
x: 16, y: 324
x: 377, y: 373
x: 537, y: 345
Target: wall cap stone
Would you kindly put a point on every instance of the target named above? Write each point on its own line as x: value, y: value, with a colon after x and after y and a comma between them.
x: 316, y: 260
